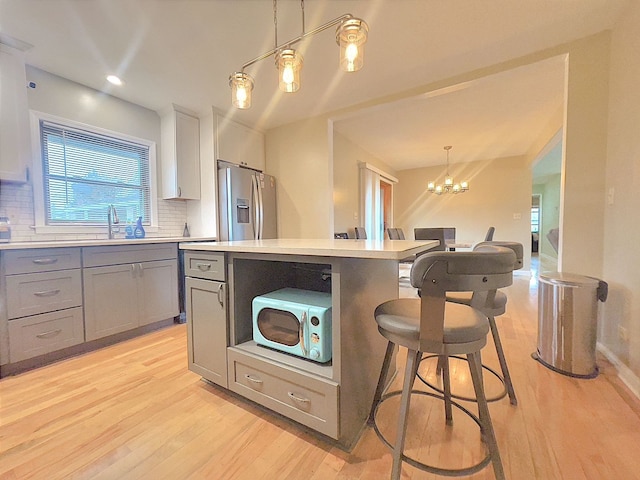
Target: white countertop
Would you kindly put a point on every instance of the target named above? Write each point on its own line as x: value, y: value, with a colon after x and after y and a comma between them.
x: 382, y: 249
x: 98, y: 242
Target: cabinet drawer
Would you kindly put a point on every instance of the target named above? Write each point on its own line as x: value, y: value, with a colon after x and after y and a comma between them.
x: 303, y: 398
x: 40, y: 334
x: 121, y: 254
x: 32, y: 293
x: 209, y: 266
x: 40, y: 260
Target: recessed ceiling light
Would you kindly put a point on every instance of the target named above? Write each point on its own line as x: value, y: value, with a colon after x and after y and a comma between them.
x: 113, y: 79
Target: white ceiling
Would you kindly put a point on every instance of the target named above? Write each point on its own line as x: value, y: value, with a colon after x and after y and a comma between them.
x: 183, y: 51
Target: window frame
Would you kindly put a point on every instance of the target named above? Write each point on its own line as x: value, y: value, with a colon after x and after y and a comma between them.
x: 41, y: 225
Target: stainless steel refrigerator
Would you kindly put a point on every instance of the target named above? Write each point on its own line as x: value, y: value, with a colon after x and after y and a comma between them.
x: 247, y: 203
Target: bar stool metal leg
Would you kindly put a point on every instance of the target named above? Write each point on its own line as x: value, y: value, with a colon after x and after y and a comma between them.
x: 413, y: 360
x: 446, y: 381
x: 475, y: 365
x: 380, y: 387
x: 503, y: 361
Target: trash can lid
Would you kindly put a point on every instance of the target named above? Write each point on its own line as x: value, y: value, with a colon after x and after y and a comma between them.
x: 569, y: 279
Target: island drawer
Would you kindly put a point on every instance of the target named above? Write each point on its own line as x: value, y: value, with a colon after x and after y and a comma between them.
x: 207, y: 265
x: 34, y: 260
x: 40, y: 334
x: 123, y: 254
x: 33, y: 293
x: 304, y: 398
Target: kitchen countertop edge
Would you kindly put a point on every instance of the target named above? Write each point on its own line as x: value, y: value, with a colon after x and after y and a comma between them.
x: 374, y: 249
x: 100, y: 242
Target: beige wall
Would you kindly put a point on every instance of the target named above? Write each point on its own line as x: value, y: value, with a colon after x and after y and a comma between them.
x: 346, y: 194
x: 300, y: 156
x: 499, y: 190
x: 585, y: 147
x: 621, y: 226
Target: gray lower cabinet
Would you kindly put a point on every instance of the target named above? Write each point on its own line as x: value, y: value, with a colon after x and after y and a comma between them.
x: 305, y: 398
x: 47, y: 332
x: 43, y: 301
x: 43, y: 291
x: 141, y: 288
x: 206, y: 308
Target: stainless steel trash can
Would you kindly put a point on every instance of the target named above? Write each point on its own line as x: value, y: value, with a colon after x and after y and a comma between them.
x: 567, y: 322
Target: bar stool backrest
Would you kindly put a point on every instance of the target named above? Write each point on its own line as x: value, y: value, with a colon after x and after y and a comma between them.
x: 485, y: 269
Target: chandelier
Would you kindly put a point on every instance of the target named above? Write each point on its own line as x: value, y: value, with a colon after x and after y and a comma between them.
x: 351, y: 35
x: 449, y: 186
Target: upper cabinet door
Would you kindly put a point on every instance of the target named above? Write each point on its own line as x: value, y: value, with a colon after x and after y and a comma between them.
x: 239, y: 144
x: 180, y: 155
x: 15, y: 148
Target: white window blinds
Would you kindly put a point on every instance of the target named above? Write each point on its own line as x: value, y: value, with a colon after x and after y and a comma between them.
x: 84, y: 172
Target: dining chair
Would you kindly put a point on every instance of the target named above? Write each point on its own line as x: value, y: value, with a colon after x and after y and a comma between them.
x: 431, y: 234
x: 361, y: 233
x: 430, y: 324
x: 395, y: 234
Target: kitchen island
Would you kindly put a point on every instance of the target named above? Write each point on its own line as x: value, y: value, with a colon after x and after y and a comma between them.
x: 332, y: 398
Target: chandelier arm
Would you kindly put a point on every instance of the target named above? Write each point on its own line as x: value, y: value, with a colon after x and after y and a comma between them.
x: 321, y: 28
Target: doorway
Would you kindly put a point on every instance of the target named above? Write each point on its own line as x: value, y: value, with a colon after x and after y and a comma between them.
x: 386, y: 196
x: 536, y: 221
x: 376, y: 200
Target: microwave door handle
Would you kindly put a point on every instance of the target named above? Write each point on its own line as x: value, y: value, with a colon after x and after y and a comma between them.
x: 303, y: 321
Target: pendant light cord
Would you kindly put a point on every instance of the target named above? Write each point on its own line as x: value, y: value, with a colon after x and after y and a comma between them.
x: 275, y: 21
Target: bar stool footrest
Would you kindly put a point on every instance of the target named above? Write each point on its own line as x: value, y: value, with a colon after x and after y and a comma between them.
x: 494, y: 398
x: 449, y: 472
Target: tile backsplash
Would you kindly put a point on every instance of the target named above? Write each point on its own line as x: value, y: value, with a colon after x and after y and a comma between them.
x: 16, y: 202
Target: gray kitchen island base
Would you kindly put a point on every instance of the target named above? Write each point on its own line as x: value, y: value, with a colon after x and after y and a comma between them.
x: 331, y: 398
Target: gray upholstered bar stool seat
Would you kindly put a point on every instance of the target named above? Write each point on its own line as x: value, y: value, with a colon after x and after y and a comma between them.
x: 429, y: 324
x: 492, y: 309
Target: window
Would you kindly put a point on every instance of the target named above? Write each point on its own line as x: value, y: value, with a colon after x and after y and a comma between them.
x: 535, y: 219
x: 84, y: 170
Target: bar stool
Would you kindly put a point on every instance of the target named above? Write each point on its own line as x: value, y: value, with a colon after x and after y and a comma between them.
x: 491, y: 309
x: 429, y: 324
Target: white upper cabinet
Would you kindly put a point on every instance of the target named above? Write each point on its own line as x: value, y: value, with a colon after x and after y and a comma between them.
x: 180, y: 155
x: 15, y: 149
x: 239, y: 144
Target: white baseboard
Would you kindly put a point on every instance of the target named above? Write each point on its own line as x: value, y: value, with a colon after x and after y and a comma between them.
x: 629, y: 378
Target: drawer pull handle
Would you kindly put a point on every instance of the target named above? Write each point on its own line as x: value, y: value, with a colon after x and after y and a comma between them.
x: 203, y: 267
x: 44, y: 261
x: 253, y: 379
x: 298, y: 399
x: 47, y: 293
x: 49, y: 334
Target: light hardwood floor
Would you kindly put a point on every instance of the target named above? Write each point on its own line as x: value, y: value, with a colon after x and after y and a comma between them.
x: 134, y: 411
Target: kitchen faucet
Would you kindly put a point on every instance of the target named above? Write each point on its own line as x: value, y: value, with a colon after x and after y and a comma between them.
x: 112, y: 219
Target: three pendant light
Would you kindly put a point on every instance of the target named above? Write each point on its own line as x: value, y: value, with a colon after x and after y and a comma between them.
x: 351, y: 35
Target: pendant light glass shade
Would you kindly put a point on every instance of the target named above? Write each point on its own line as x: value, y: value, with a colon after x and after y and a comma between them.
x: 289, y: 63
x: 241, y: 86
x: 351, y: 35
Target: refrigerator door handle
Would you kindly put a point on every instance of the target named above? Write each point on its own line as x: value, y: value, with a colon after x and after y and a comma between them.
x: 257, y: 198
